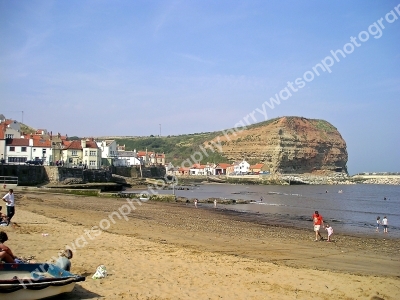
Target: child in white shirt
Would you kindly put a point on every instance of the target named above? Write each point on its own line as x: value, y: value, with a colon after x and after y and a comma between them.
x: 385, y: 224
x: 329, y: 229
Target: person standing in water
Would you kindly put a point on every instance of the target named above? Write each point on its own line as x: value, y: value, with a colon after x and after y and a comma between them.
x: 385, y: 224
x: 378, y: 222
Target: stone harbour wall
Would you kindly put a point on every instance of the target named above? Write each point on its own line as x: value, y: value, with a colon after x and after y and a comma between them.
x: 35, y: 175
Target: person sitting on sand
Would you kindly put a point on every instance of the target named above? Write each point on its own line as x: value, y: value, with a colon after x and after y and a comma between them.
x: 6, y: 254
x: 329, y: 229
x: 63, y: 261
x: 3, y: 218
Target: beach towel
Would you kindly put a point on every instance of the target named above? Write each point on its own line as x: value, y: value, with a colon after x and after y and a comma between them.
x: 101, y: 272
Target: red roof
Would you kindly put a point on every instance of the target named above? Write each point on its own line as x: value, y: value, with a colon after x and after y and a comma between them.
x: 41, y: 143
x: 223, y: 166
x: 2, y: 130
x: 257, y: 166
x: 40, y: 131
x: 198, y: 166
x: 181, y: 169
x: 91, y: 144
x: 143, y: 153
x: 66, y: 143
x: 37, y: 137
x: 74, y: 145
x: 17, y: 142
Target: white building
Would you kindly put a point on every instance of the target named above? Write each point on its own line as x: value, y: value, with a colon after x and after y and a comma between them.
x: 109, y: 153
x: 241, y: 167
x: 209, y: 169
x: 197, y: 169
x: 131, y: 158
x: 20, y: 150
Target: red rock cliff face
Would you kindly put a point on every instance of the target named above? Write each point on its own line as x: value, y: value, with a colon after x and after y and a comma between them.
x: 288, y: 145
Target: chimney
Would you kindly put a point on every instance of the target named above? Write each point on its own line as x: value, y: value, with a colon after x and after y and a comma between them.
x: 83, y: 143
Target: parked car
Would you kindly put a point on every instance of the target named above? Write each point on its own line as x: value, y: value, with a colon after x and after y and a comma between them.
x: 37, y: 162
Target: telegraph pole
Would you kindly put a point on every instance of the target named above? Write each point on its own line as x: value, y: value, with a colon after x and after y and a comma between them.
x: 160, y: 129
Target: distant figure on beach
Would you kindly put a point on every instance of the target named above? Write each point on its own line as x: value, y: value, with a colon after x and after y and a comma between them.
x: 384, y: 198
x: 9, y: 199
x: 329, y: 229
x: 340, y: 191
x: 261, y: 199
x: 195, y: 203
x: 326, y: 191
x: 378, y: 222
x: 317, y: 221
x: 385, y: 224
x: 63, y: 261
x: 215, y: 203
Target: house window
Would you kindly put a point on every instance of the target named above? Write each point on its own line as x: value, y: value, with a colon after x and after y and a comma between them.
x: 85, y: 152
x: 23, y: 149
x: 92, y: 163
x: 12, y: 148
x: 74, y: 152
x: 92, y: 153
x: 34, y: 150
x: 9, y: 136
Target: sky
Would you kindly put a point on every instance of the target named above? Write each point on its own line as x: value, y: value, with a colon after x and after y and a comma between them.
x: 135, y: 68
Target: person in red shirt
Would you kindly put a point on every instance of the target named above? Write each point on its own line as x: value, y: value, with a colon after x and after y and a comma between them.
x: 318, y: 222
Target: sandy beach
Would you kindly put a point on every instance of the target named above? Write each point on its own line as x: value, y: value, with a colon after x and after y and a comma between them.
x: 175, y: 251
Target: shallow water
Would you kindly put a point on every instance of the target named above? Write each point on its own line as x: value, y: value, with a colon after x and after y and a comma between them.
x: 353, y: 211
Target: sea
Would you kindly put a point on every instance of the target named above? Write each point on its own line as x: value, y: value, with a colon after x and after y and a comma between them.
x: 350, y: 209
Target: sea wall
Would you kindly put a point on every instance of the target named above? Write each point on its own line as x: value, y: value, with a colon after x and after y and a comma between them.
x: 137, y: 172
x: 27, y: 175
x: 378, y: 179
x: 36, y: 175
x: 61, y: 174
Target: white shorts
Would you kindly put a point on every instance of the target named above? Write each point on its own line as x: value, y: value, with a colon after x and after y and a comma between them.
x: 317, y: 227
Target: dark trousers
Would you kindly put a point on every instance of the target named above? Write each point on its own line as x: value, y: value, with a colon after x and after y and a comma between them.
x: 10, y: 212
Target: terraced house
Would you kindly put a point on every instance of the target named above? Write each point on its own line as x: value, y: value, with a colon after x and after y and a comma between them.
x: 21, y: 150
x: 83, y: 153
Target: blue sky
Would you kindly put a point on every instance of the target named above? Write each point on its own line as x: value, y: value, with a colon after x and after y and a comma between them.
x: 92, y: 68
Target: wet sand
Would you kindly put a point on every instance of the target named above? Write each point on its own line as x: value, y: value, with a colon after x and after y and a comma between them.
x: 174, y: 251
